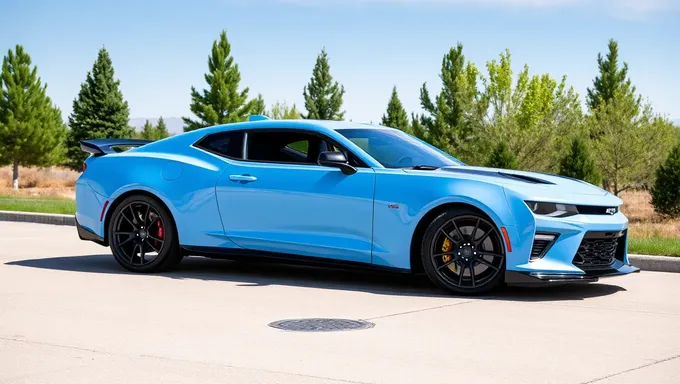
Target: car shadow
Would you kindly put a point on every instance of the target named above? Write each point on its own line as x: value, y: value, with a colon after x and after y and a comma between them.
x: 255, y: 274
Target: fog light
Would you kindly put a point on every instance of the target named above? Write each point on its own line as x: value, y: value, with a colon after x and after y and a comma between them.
x: 542, y: 243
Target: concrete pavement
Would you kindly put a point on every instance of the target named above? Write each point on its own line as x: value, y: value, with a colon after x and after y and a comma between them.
x: 69, y: 314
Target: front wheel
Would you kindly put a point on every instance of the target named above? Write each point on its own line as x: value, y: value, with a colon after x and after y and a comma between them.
x: 462, y: 252
x: 142, y: 235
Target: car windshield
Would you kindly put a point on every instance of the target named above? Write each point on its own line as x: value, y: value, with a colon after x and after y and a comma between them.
x: 395, y: 149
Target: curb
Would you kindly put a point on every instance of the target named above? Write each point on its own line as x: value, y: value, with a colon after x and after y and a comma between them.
x: 644, y: 262
x: 655, y: 263
x: 41, y: 218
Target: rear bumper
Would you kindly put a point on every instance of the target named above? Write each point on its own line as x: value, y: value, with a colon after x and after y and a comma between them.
x: 618, y: 268
x: 86, y: 234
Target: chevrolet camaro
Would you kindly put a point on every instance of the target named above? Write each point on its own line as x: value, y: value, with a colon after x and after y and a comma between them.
x: 344, y: 193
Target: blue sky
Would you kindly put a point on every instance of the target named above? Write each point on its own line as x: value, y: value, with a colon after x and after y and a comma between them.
x: 160, y: 48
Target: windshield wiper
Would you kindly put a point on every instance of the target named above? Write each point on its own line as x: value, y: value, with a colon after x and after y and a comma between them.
x: 424, y: 167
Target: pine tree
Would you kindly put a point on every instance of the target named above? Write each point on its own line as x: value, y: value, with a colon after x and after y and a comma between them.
x: 222, y: 102
x: 323, y: 97
x: 501, y: 157
x: 396, y: 116
x: 578, y: 163
x: 161, y: 129
x: 99, y: 111
x: 259, y: 107
x: 148, y: 131
x: 281, y: 111
x: 611, y: 78
x: 666, y: 190
x: 31, y: 129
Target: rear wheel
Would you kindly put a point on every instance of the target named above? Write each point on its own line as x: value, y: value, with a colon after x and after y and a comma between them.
x: 462, y: 252
x: 142, y: 235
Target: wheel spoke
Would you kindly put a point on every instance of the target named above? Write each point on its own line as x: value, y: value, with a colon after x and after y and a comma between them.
x: 153, y: 246
x: 474, y: 231
x: 141, y: 254
x: 472, y: 275
x: 460, y: 276
x: 460, y: 234
x: 491, y: 254
x: 134, y: 216
x: 481, y: 239
x: 146, y: 215
x: 443, y: 254
x: 124, y: 242
x: 153, y: 238
x: 448, y: 236
x: 488, y: 264
x: 446, y: 264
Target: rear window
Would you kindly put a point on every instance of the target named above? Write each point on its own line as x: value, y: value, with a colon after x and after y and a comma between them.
x: 228, y: 144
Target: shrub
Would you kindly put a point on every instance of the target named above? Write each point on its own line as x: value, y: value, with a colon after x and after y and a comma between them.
x: 501, y: 157
x: 666, y: 190
x: 578, y: 163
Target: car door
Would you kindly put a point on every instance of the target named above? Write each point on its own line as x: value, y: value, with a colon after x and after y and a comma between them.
x: 280, y: 200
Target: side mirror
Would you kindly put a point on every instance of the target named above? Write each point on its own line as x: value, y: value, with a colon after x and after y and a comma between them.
x: 336, y: 160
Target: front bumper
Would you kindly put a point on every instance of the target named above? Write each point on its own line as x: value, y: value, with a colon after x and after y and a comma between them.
x: 618, y: 268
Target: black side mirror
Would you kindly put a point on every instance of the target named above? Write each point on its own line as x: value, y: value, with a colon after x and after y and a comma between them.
x: 336, y: 160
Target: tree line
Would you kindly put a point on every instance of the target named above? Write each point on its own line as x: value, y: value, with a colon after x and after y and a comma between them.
x: 482, y: 115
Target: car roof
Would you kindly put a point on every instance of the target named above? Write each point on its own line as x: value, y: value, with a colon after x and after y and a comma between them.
x: 313, y: 125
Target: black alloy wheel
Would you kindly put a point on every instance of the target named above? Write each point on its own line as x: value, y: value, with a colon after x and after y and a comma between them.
x: 463, y: 252
x: 142, y: 235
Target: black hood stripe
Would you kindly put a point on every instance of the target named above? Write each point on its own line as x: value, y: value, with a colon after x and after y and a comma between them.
x: 503, y: 175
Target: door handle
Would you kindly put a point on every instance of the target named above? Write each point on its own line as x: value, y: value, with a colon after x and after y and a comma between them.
x: 244, y: 178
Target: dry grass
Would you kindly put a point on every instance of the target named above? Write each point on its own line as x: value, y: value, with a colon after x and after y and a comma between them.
x: 644, y: 222
x: 44, y: 182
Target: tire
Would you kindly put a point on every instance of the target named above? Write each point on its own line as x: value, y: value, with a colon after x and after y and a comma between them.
x: 142, y: 235
x: 463, y: 252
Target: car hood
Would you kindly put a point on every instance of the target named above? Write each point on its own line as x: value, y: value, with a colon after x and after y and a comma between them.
x: 534, y: 185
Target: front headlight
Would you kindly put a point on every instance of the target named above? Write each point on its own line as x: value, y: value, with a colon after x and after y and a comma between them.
x: 552, y: 209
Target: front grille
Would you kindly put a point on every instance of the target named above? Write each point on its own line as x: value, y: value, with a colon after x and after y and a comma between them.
x: 596, y: 210
x: 599, y: 250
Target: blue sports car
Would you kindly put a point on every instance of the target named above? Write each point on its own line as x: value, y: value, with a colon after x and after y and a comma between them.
x: 344, y: 193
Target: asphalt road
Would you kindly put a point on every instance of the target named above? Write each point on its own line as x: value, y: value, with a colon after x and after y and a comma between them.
x: 69, y: 314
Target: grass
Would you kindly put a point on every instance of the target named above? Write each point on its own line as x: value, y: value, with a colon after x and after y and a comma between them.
x: 37, y: 204
x: 654, y: 246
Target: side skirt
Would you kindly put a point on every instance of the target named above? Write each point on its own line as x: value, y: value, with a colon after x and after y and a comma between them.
x: 85, y: 234
x: 283, y: 258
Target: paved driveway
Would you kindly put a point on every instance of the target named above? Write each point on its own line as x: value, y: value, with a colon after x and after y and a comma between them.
x: 69, y: 314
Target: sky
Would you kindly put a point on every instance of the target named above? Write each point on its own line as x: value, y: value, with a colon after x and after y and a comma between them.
x: 160, y: 48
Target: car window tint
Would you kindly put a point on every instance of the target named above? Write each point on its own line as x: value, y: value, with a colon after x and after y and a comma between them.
x: 229, y: 144
x: 283, y: 147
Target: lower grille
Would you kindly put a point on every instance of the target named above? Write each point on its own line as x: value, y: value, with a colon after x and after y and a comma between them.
x: 598, y: 250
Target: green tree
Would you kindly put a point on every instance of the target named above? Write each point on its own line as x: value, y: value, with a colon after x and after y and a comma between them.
x: 161, y: 129
x: 148, y: 131
x: 222, y: 102
x: 323, y: 96
x: 259, y: 108
x: 99, y: 111
x: 447, y: 123
x: 396, y: 116
x: 611, y: 79
x: 502, y: 157
x: 578, y: 163
x: 632, y: 142
x: 31, y: 129
x: 281, y: 111
x: 666, y: 190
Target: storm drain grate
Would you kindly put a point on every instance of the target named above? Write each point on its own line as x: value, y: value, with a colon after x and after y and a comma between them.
x: 321, y: 325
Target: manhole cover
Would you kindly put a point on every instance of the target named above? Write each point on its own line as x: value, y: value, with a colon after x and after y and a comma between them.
x: 321, y: 325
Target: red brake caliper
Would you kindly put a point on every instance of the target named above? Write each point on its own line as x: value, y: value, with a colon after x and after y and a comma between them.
x: 160, y: 231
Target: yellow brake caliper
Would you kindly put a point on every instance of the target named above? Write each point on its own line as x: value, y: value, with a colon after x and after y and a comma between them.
x: 447, y: 247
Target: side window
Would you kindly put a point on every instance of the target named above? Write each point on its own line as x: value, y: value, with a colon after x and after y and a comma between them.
x: 228, y: 144
x: 283, y: 147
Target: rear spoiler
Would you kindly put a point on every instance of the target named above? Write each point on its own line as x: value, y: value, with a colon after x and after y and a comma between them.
x: 101, y: 147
